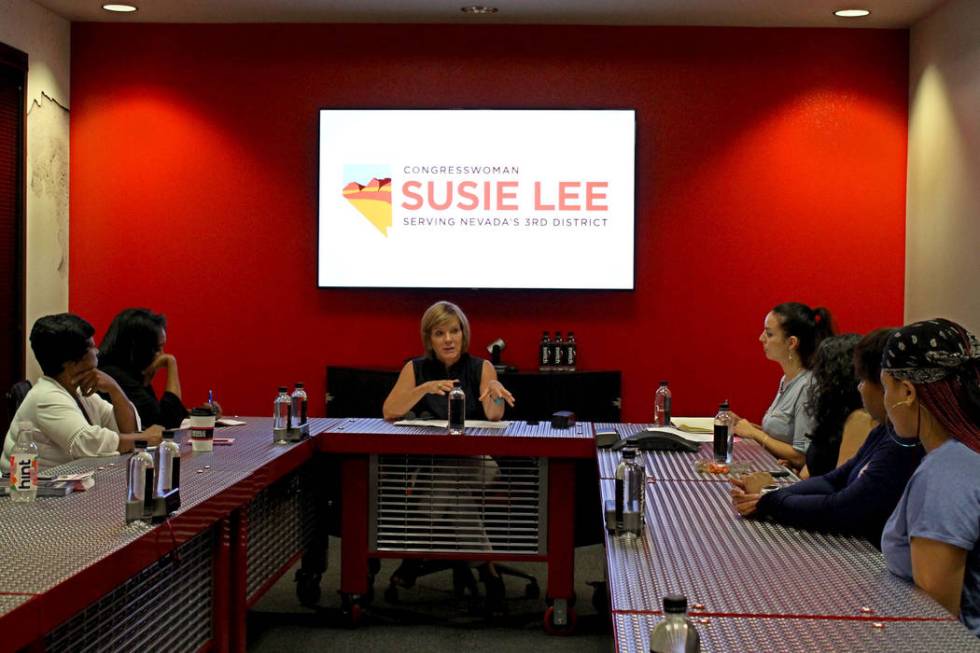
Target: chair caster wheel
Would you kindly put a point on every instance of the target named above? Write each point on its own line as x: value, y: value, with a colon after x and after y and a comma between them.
x: 307, y: 587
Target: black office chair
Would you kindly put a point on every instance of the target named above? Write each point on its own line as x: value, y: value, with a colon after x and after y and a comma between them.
x: 14, y: 397
x: 422, y: 485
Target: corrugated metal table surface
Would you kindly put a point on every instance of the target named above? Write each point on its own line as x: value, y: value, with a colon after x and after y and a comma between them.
x: 727, y: 634
x: 696, y: 545
x: 747, y: 456
x: 374, y: 426
x: 9, y: 602
x: 82, y: 528
x: 78, y: 532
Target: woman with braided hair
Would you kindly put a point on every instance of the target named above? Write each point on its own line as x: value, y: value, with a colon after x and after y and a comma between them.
x: 931, y: 374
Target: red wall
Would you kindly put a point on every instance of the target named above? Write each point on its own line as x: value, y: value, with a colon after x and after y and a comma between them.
x: 770, y: 167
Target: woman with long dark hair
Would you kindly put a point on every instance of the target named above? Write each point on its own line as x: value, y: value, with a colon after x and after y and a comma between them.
x: 790, y: 336
x: 857, y: 497
x: 835, y: 405
x: 132, y: 353
x: 931, y: 374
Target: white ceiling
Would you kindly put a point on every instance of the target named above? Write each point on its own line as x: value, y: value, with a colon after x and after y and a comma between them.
x: 743, y: 13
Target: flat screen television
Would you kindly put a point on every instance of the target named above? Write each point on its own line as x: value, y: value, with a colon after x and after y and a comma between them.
x: 466, y: 198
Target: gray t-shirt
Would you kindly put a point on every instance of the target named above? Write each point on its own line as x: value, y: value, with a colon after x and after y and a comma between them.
x: 787, y: 419
x: 942, y: 503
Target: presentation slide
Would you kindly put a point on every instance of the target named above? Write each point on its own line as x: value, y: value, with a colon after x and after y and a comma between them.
x: 539, y: 199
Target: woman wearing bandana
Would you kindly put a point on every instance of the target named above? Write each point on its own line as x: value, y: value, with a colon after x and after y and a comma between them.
x: 931, y: 374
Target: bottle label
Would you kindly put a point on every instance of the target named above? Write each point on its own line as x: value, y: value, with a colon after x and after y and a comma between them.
x: 457, y: 413
x: 558, y: 354
x: 667, y: 411
x: 572, y: 355
x: 303, y: 412
x: 148, y: 489
x: 175, y: 473
x: 721, y: 442
x: 23, y: 471
x: 545, y: 355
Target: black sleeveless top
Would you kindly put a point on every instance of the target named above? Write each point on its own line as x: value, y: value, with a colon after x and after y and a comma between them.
x: 468, y: 369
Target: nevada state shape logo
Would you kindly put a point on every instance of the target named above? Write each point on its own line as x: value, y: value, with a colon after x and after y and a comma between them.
x: 368, y: 189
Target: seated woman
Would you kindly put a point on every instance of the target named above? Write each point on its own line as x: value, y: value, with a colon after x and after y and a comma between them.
x: 421, y: 391
x: 790, y: 336
x: 857, y: 497
x: 835, y: 405
x: 74, y: 422
x: 424, y: 383
x: 132, y: 353
x: 931, y: 374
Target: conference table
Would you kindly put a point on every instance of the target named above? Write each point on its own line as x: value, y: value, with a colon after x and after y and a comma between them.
x: 370, y: 449
x: 753, y: 585
x: 74, y: 576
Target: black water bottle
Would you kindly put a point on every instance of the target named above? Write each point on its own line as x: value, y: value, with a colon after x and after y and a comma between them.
x: 557, y: 352
x: 544, y: 353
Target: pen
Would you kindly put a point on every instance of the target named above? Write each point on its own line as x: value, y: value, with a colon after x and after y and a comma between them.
x: 210, y: 397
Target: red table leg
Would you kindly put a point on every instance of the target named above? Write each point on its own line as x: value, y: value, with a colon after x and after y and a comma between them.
x: 221, y: 566
x: 239, y: 578
x: 354, y: 530
x: 560, y: 617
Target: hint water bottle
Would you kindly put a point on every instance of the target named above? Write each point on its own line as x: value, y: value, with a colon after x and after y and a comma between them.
x: 457, y: 409
x: 661, y: 405
x: 571, y: 352
x: 282, y: 409
x: 139, y: 478
x: 168, y: 464
x: 23, y: 464
x: 298, y: 406
x: 723, y: 434
x: 544, y: 353
x: 557, y: 352
x: 630, y: 480
x: 676, y: 633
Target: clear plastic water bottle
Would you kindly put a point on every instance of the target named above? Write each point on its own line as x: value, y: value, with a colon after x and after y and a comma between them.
x: 630, y: 490
x: 23, y: 464
x: 457, y: 409
x: 571, y: 352
x: 661, y: 405
x: 139, y: 477
x: 282, y: 409
x: 168, y: 464
x: 557, y: 352
x: 299, y: 404
x: 544, y: 353
x: 675, y: 633
x: 723, y: 434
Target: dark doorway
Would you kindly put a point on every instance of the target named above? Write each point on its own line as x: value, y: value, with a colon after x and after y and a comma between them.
x: 13, y: 83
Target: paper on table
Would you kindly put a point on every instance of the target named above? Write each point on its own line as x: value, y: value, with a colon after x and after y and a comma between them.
x: 221, y: 421
x: 694, y: 424
x: 690, y: 437
x: 444, y: 424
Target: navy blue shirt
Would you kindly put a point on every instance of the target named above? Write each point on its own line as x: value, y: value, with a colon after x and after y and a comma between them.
x: 856, y: 498
x: 468, y: 369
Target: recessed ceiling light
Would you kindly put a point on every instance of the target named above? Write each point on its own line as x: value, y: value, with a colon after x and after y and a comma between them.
x: 118, y: 8
x: 478, y: 9
x: 851, y: 13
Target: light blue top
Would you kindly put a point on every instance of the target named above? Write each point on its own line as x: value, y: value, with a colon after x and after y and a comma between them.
x: 787, y: 419
x: 942, y: 503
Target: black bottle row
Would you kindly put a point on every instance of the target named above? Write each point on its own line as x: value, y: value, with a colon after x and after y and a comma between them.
x: 557, y: 354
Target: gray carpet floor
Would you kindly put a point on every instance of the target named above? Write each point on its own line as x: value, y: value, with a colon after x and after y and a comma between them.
x: 428, y: 617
